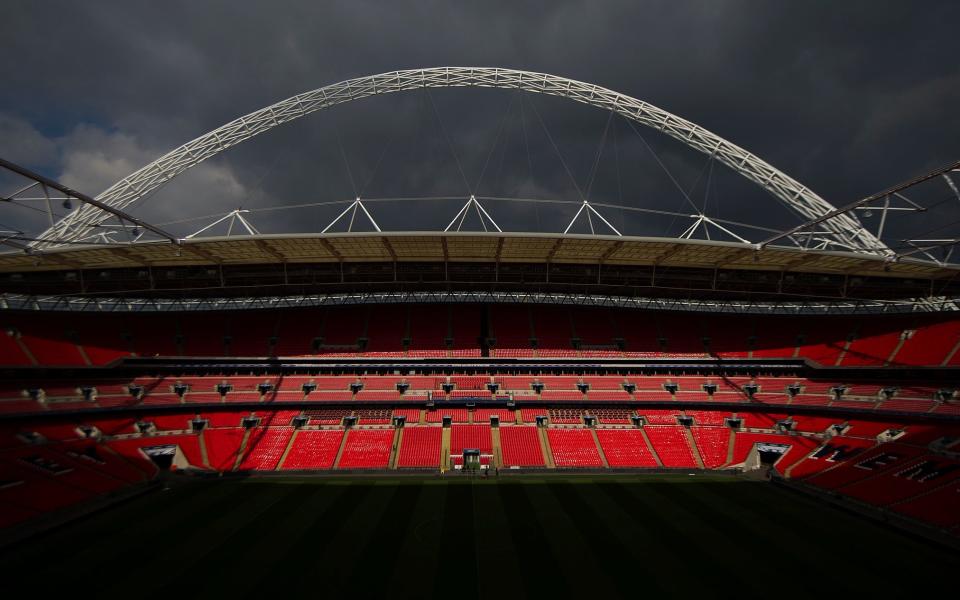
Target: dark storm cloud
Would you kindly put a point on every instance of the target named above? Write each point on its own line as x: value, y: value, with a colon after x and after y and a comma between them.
x: 848, y: 98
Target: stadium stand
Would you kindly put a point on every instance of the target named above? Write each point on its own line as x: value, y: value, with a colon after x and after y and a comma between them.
x: 625, y: 448
x: 313, y: 449
x: 57, y: 340
x: 420, y: 447
x: 366, y: 449
x: 574, y: 448
x: 871, y: 441
x: 520, y: 446
x: 670, y: 444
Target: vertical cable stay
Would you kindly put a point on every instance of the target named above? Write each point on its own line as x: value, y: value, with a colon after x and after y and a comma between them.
x: 493, y: 147
x: 707, y: 187
x: 526, y: 146
x: 556, y: 149
x: 346, y: 163
x: 443, y: 132
x: 952, y: 185
x: 376, y: 165
x: 596, y: 160
x: 656, y: 157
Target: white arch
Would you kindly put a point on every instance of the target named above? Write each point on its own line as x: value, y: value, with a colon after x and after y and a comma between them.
x: 844, y: 228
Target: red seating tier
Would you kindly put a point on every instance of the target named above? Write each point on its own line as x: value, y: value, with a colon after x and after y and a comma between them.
x: 265, y: 447
x: 420, y: 447
x: 366, y: 449
x: 520, y: 446
x: 476, y: 437
x: 313, y: 449
x: 712, y: 443
x: 670, y: 444
x: 574, y: 448
x: 625, y: 448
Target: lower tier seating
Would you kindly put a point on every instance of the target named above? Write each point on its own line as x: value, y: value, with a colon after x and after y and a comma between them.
x: 670, y: 444
x: 420, y: 447
x: 49, y: 463
x: 625, y: 448
x: 520, y: 446
x: 366, y: 449
x: 313, y: 449
x: 574, y: 448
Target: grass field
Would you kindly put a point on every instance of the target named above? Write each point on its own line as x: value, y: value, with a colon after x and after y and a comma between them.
x: 588, y: 537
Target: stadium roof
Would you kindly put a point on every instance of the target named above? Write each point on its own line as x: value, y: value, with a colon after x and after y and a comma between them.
x: 261, y: 266
x: 470, y: 247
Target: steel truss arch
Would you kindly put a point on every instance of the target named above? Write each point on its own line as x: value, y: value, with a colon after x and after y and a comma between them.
x: 845, y: 229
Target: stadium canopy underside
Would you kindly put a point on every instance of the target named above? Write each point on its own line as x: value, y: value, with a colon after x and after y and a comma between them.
x: 444, y: 264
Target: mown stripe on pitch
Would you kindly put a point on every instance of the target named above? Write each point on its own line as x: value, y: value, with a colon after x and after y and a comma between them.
x: 373, y: 568
x: 774, y: 528
x: 275, y: 557
x: 681, y: 532
x: 111, y: 529
x: 731, y: 531
x: 500, y: 567
x: 185, y: 544
x: 417, y: 555
x: 877, y: 560
x: 133, y: 545
x: 611, y: 554
x: 657, y: 559
x: 335, y: 563
x: 579, y: 565
x: 227, y: 566
x: 543, y: 578
x: 457, y: 567
x: 298, y: 562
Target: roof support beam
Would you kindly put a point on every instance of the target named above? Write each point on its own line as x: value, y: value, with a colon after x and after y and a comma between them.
x: 390, y: 250
x: 553, y: 250
x: 41, y: 255
x: 331, y: 249
x: 610, y: 251
x: 46, y: 181
x: 270, y: 250
x: 853, y: 205
x: 127, y: 255
x: 677, y: 248
x: 733, y: 257
x: 203, y: 254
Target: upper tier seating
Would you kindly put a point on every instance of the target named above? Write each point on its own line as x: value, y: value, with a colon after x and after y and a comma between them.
x: 398, y: 330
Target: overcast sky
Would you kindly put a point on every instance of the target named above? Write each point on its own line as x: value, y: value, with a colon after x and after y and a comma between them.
x: 846, y: 97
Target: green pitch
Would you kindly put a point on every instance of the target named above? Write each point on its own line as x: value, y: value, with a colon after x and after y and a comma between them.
x: 535, y: 537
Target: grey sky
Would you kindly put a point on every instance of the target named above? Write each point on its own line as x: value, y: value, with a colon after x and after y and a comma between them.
x: 846, y: 97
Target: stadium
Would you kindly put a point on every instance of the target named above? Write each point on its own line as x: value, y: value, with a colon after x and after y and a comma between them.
x: 484, y: 408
